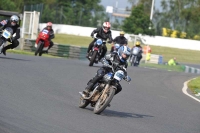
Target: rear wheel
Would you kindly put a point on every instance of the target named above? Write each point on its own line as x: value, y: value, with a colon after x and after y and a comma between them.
x: 92, y: 59
x: 39, y: 48
x: 83, y: 103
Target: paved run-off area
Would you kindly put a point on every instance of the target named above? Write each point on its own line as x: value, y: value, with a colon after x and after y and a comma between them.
x: 40, y: 95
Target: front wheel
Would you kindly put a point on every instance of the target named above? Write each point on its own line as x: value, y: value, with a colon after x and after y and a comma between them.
x: 103, y: 101
x: 134, y: 61
x: 39, y: 48
x: 92, y: 59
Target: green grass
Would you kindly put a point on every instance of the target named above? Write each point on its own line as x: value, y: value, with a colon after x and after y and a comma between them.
x: 76, y: 40
x: 182, y: 55
x: 27, y: 53
x: 178, y: 68
x: 185, y: 56
x: 194, y: 85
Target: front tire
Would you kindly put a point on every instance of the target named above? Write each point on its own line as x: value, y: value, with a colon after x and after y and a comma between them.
x: 93, y: 58
x: 102, y: 104
x: 39, y: 48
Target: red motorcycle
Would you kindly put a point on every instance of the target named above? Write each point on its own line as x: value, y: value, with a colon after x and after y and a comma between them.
x: 42, y: 42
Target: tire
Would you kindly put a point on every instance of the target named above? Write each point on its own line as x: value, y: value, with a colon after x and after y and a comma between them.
x: 93, y: 58
x: 39, y: 48
x: 1, y: 42
x: 99, y: 108
x: 132, y: 60
x: 83, y: 103
x: 40, y: 54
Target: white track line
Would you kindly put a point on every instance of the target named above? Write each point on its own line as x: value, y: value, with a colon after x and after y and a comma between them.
x: 184, y: 89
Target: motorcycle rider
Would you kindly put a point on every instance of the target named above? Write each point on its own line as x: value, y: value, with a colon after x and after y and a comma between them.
x: 117, y: 58
x: 102, y: 33
x: 51, y: 34
x: 119, y: 40
x: 137, y: 44
x: 12, y: 23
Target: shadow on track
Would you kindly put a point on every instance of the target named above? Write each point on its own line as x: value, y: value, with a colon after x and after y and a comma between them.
x: 13, y: 59
x: 111, y: 113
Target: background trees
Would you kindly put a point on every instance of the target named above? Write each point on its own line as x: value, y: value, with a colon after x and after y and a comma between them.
x: 175, y: 16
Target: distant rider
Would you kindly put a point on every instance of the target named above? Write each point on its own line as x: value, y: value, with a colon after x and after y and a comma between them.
x: 12, y: 23
x: 118, y: 58
x: 51, y: 35
x: 102, y: 33
x: 119, y: 40
x: 139, y: 56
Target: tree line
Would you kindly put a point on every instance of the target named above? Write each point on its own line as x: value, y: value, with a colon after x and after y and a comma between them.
x: 177, y: 16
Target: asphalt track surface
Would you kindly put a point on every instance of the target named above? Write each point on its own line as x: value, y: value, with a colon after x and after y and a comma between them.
x: 40, y: 95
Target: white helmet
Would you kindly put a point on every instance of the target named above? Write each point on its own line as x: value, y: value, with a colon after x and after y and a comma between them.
x: 106, y: 26
x: 14, y: 19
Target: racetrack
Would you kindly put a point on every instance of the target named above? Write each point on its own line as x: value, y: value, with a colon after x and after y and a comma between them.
x: 40, y: 95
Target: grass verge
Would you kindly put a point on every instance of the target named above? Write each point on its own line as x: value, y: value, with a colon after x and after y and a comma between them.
x: 28, y: 53
x: 183, y: 56
x: 177, y: 68
x: 194, y: 85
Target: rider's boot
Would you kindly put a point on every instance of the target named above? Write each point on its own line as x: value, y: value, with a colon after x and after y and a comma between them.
x: 5, y: 48
x: 88, y: 89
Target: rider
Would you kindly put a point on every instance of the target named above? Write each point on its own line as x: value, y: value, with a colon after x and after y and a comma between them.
x: 119, y: 40
x: 51, y: 34
x: 12, y: 23
x: 137, y: 44
x: 118, y: 58
x: 102, y: 33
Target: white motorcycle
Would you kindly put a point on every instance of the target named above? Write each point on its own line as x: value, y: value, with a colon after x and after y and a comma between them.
x: 5, y: 35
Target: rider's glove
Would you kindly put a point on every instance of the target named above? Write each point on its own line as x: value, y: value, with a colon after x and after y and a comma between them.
x: 127, y: 78
x: 92, y: 35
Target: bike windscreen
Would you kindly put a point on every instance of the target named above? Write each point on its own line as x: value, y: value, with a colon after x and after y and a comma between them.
x: 119, y: 75
x: 45, y: 31
x: 99, y: 42
x: 7, y: 32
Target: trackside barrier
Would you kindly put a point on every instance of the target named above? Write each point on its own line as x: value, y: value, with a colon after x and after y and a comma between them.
x: 60, y: 50
x: 189, y: 69
x: 156, y: 59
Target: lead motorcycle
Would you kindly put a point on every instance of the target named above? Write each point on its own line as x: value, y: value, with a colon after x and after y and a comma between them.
x: 104, y: 90
x: 96, y: 51
x: 6, y: 35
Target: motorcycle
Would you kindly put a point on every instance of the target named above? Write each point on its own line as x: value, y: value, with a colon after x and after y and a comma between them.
x: 96, y: 51
x: 42, y: 42
x: 134, y: 56
x: 104, y: 90
x: 5, y: 36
